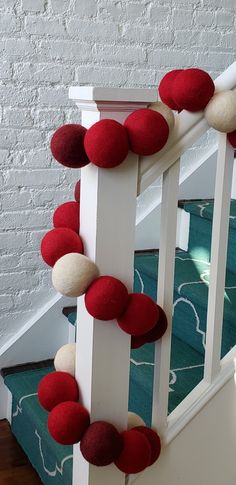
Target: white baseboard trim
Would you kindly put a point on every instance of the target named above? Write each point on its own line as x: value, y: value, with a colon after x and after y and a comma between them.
x: 39, y: 339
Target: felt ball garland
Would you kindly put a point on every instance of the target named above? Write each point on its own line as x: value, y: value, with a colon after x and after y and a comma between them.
x: 220, y: 112
x: 154, y: 441
x: 58, y: 242
x: 67, y: 215
x: 67, y: 422
x: 140, y: 315
x: 67, y: 146
x: 77, y: 191
x: 106, y: 145
x: 106, y: 298
x: 192, y: 89
x: 232, y: 138
x: 148, y: 131
x: 101, y: 444
x: 57, y: 387
x: 136, y: 453
x: 166, y: 89
x: 65, y: 359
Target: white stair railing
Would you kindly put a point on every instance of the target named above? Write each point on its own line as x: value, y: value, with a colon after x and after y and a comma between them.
x: 107, y: 227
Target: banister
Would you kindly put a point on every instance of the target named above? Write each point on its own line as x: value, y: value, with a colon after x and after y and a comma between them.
x: 188, y: 128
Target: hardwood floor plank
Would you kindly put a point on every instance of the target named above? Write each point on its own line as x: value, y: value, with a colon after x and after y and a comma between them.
x: 15, y: 468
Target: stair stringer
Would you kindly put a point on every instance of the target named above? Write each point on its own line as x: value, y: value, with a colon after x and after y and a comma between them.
x: 39, y: 339
x: 203, y: 448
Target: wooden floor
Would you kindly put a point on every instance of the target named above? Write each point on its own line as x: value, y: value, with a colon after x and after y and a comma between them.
x: 15, y: 468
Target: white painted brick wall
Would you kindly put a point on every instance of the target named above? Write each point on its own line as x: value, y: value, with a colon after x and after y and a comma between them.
x: 48, y: 45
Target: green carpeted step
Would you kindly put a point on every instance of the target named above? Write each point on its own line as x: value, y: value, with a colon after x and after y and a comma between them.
x: 190, y: 297
x: 52, y: 461
x: 204, y: 209
x: 201, y: 215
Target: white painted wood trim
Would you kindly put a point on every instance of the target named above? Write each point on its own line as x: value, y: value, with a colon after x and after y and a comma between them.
x: 200, y: 395
x: 108, y: 210
x: 220, y: 227
x: 183, y: 225
x: 165, y: 294
x: 29, y: 324
x: 188, y: 128
x: 193, y: 404
x: 130, y: 95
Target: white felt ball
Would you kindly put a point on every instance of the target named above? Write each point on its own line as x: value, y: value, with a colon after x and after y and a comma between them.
x: 165, y: 111
x: 134, y: 420
x: 65, y: 359
x: 220, y: 112
x: 73, y: 273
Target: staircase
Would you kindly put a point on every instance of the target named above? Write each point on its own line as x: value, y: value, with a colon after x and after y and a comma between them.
x: 199, y: 350
x: 192, y: 269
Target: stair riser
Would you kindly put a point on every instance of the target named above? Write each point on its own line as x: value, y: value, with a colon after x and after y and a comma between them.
x: 200, y: 241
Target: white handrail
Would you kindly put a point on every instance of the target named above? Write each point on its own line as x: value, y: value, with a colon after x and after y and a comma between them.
x: 189, y: 127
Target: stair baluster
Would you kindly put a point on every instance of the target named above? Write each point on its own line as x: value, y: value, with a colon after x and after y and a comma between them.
x: 224, y: 174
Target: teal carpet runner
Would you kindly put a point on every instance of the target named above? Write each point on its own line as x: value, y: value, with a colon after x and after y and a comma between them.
x: 53, y: 462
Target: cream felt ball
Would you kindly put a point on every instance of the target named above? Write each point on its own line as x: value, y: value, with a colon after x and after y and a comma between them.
x: 65, y: 359
x: 134, y: 420
x: 220, y: 112
x: 73, y: 273
x: 165, y: 111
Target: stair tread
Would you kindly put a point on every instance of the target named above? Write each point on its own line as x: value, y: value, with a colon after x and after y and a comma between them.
x: 191, y: 272
x: 204, y: 209
x: 28, y: 415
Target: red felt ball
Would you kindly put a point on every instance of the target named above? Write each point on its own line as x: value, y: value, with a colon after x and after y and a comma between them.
x: 165, y: 89
x: 138, y: 341
x: 106, y: 298
x: 232, y: 138
x: 101, y: 443
x: 58, y: 242
x: 77, y: 191
x: 193, y: 89
x: 154, y: 334
x: 67, y: 215
x: 148, y: 131
x: 158, y: 331
x: 154, y: 441
x: 136, y: 452
x: 106, y: 143
x: 67, y: 422
x: 67, y: 146
x: 140, y: 315
x: 57, y: 387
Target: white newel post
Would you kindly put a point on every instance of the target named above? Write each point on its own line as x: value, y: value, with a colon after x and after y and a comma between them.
x: 108, y: 207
